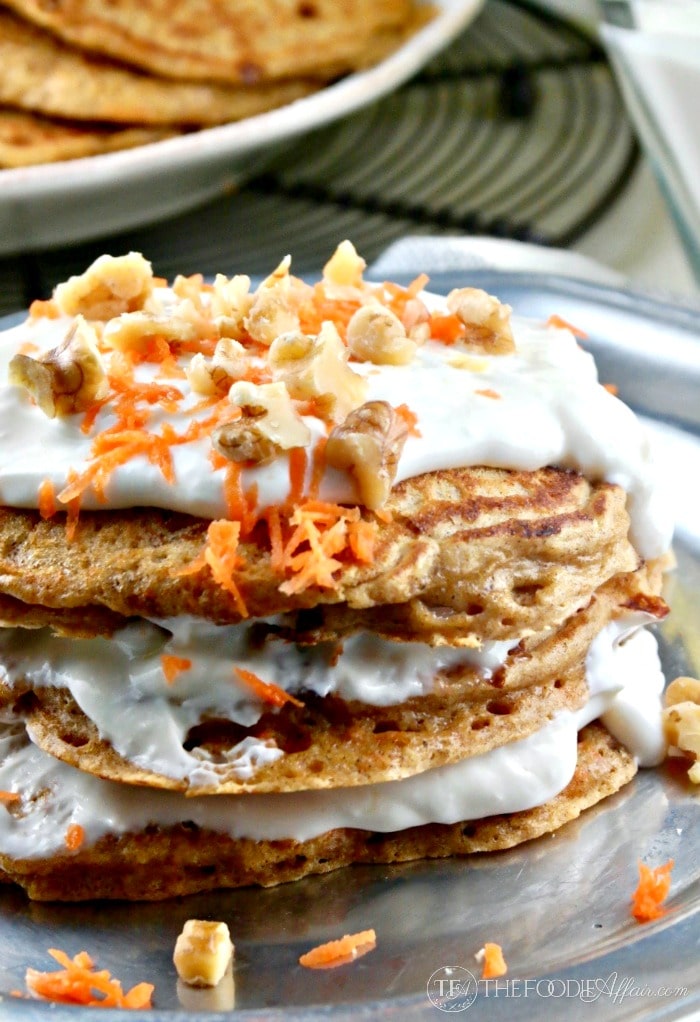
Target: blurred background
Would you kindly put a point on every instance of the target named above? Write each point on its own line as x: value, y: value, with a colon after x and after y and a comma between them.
x: 515, y: 131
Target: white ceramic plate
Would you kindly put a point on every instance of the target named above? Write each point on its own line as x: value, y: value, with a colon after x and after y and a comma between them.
x: 59, y: 203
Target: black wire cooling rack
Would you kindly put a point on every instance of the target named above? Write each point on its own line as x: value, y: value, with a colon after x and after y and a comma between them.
x: 516, y: 130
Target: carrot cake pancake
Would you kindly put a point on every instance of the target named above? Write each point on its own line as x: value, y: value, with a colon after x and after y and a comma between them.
x: 294, y: 576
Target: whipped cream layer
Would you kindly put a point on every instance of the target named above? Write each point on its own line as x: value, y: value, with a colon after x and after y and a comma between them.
x: 550, y: 410
x: 623, y: 672
x: 120, y: 684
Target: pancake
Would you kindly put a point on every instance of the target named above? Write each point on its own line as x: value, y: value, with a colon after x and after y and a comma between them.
x: 41, y: 74
x: 327, y: 743
x: 168, y: 862
x: 236, y: 41
x: 28, y: 138
x: 506, y: 553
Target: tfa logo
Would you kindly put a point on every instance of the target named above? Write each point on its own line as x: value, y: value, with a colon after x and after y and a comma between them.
x: 452, y: 988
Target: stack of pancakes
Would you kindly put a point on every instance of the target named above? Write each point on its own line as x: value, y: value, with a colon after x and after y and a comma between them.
x: 85, y: 77
x: 501, y: 579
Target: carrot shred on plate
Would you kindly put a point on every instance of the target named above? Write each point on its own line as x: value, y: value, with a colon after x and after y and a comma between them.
x: 410, y: 418
x: 265, y: 690
x: 340, y: 952
x: 446, y: 328
x: 7, y: 798
x: 494, y: 964
x: 488, y: 392
x: 173, y: 665
x: 47, y: 499
x: 651, y: 891
x: 77, y: 982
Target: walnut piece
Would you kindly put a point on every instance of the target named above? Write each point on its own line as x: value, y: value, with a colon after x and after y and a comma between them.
x: 345, y: 267
x: 269, y: 423
x: 67, y: 379
x: 316, y: 368
x: 375, y: 334
x: 202, y: 952
x: 487, y: 320
x: 271, y: 311
x: 133, y: 330
x: 681, y: 720
x: 369, y: 444
x: 110, y: 286
x: 229, y: 363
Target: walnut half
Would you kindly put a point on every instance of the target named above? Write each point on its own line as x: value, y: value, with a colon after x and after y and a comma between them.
x: 486, y: 319
x: 67, y: 379
x: 681, y: 720
x: 369, y: 444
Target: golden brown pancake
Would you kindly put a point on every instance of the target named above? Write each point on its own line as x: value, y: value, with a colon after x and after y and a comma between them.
x: 497, y: 554
x: 41, y: 74
x: 236, y: 41
x: 168, y: 862
x: 27, y: 138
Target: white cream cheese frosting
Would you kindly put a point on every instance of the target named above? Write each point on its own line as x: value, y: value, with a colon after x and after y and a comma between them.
x: 550, y: 410
x: 510, y: 778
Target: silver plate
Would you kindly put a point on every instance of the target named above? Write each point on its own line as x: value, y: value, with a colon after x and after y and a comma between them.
x: 559, y: 906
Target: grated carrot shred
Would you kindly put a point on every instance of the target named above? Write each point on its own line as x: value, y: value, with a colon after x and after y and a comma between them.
x: 318, y: 464
x: 494, y: 962
x: 265, y: 690
x: 47, y: 499
x: 8, y: 797
x: 562, y: 324
x: 487, y: 392
x: 75, y: 837
x: 446, y: 328
x: 274, y: 528
x: 612, y: 388
x: 410, y: 418
x: 339, y: 952
x: 321, y: 532
x: 77, y: 982
x: 220, y: 554
x: 173, y: 665
x: 652, y: 890
x: 361, y: 539
x: 297, y: 474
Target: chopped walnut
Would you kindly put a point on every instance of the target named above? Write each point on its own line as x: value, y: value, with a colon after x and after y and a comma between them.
x: 231, y: 302
x: 202, y: 952
x: 67, y: 379
x: 487, y: 320
x: 269, y: 424
x: 214, y: 376
x: 133, y: 330
x: 316, y: 368
x: 681, y: 720
x: 375, y: 334
x: 345, y: 267
x: 369, y: 444
x: 110, y: 286
x: 271, y: 312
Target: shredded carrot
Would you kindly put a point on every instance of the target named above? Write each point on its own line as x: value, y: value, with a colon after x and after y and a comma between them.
x: 27, y: 348
x: 47, y: 499
x: 318, y: 464
x: 651, y: 892
x: 612, y: 388
x: 446, y: 328
x: 494, y: 962
x: 75, y: 836
x: 410, y: 418
x: 361, y: 539
x: 297, y: 474
x: 77, y: 982
x: 321, y: 531
x: 274, y: 528
x: 562, y: 324
x: 340, y: 952
x: 173, y: 665
x: 265, y: 690
x: 487, y: 392
x: 220, y: 554
x: 8, y: 797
